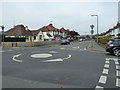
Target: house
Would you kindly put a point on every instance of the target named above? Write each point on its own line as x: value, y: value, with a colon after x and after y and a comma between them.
x: 50, y: 32
x: 21, y: 33
x: 18, y: 33
x: 112, y: 32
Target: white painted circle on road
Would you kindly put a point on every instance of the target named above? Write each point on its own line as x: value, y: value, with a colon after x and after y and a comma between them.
x: 43, y: 55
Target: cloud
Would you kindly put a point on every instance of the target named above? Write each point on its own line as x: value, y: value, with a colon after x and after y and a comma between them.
x: 71, y: 15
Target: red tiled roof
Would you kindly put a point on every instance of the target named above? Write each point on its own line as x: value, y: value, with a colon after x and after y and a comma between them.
x: 48, y: 28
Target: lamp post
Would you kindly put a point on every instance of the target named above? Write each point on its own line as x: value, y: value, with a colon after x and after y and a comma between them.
x: 97, y: 25
x: 2, y: 27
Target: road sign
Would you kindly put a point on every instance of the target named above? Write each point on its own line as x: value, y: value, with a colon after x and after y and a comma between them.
x: 92, y: 31
x: 92, y: 26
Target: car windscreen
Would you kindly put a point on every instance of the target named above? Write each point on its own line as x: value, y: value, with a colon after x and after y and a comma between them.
x: 110, y: 42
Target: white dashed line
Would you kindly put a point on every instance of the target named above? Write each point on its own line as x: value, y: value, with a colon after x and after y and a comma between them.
x: 106, y: 66
x: 103, y: 79
x: 118, y: 82
x: 116, y: 62
x: 117, y: 73
x: 53, y: 52
x: 100, y: 88
x: 115, y: 59
x: 62, y: 48
x: 117, y: 67
x: 105, y: 71
x: 107, y: 59
x: 107, y: 62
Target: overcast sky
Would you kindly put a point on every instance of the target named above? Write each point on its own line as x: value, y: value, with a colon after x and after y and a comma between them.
x: 70, y: 15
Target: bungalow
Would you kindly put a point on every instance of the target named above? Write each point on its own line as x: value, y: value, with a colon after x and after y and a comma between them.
x: 18, y: 33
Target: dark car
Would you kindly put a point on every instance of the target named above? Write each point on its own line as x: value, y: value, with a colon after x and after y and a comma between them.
x: 65, y: 42
x: 113, y: 47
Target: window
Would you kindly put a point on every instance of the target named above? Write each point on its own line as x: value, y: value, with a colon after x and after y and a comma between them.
x: 40, y: 37
x: 34, y: 37
x: 27, y: 38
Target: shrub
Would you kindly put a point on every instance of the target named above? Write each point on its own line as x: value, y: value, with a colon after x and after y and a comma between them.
x: 103, y: 39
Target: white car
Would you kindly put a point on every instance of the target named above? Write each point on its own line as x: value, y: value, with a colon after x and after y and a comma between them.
x: 80, y: 40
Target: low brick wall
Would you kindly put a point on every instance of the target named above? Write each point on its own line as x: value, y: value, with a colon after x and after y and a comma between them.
x: 27, y: 44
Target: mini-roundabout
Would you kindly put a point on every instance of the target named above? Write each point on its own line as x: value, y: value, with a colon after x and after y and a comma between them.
x: 41, y: 56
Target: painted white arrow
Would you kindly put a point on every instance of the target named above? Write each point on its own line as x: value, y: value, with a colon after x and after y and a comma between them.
x: 54, y: 60
x: 15, y: 56
x: 58, y: 60
x: 69, y: 56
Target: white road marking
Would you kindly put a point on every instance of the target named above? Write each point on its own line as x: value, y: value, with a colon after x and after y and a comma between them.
x: 103, y: 79
x: 62, y: 48
x: 107, y: 58
x: 117, y: 73
x: 78, y: 47
x: 105, y: 71
x: 54, y: 60
x: 107, y: 62
x: 117, y: 67
x: 15, y: 56
x: 118, y: 82
x: 10, y: 50
x: 113, y: 59
x: 74, y: 47
x: 116, y: 62
x: 43, y: 55
x: 101, y: 88
x: 1, y: 51
x: 106, y: 65
x: 116, y: 59
x: 69, y: 56
x: 53, y: 52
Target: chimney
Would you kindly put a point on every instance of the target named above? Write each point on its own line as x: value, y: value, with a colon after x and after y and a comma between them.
x: 26, y: 28
x: 51, y: 24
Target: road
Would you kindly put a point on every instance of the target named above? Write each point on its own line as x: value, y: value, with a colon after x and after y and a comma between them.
x: 60, y: 66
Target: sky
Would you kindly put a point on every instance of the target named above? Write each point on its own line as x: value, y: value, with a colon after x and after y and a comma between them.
x: 70, y: 15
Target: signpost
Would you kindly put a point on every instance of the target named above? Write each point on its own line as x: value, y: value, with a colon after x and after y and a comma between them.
x: 92, y: 31
x: 2, y: 27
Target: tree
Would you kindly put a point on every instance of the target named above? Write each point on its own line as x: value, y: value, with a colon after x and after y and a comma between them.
x: 73, y: 33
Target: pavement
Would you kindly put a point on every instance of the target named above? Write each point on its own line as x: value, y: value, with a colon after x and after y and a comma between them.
x: 95, y: 47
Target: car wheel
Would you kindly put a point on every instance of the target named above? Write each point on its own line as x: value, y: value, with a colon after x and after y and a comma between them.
x: 116, y: 52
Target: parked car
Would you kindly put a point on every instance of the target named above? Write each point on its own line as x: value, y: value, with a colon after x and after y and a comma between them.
x: 80, y: 40
x: 113, y: 47
x: 65, y: 42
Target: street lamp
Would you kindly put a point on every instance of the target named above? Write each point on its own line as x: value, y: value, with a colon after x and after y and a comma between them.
x: 97, y: 25
x: 2, y: 27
